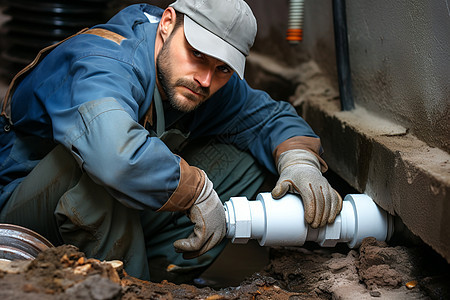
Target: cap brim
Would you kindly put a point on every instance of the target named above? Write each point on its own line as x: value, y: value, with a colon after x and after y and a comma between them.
x: 210, y: 44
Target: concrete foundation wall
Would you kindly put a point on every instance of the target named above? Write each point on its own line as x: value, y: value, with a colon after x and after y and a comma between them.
x: 399, y: 52
x: 399, y: 56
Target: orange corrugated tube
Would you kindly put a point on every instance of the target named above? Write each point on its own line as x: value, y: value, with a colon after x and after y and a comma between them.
x: 294, y: 33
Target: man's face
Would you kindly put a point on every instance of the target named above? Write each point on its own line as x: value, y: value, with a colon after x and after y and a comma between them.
x: 187, y: 76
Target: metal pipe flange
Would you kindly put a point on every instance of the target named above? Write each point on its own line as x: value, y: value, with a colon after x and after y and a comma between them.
x: 20, y: 243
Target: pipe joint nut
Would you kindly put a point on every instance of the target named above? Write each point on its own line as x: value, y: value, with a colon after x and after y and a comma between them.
x: 239, y: 220
x: 330, y: 235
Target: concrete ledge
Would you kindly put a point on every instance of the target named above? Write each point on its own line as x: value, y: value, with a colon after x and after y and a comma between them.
x: 401, y: 173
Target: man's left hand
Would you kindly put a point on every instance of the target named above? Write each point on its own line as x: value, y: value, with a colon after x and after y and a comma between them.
x: 300, y: 173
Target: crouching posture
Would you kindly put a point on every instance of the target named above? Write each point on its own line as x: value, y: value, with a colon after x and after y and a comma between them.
x: 125, y: 139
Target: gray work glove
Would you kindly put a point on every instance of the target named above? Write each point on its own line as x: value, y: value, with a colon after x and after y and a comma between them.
x: 208, y: 215
x: 300, y: 173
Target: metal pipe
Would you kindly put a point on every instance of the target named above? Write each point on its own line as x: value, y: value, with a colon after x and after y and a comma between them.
x: 282, y: 222
x: 342, y: 56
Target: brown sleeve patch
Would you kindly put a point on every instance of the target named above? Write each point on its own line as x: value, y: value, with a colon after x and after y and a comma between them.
x: 310, y: 144
x: 190, y: 185
x: 106, y: 34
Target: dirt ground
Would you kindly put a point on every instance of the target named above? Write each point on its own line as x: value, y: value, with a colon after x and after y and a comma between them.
x: 376, y: 270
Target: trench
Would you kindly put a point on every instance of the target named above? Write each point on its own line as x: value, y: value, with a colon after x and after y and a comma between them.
x: 402, y: 268
x: 239, y: 261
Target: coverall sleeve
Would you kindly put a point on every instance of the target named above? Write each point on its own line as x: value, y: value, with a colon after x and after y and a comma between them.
x: 100, y: 126
x: 253, y: 121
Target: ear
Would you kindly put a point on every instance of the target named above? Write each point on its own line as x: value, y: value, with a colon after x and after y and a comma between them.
x: 167, y: 23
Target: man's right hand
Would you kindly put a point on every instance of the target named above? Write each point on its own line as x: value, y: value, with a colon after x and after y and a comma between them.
x: 208, y: 215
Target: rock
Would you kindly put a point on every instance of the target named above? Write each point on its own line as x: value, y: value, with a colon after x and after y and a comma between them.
x: 94, y: 287
x: 14, y: 267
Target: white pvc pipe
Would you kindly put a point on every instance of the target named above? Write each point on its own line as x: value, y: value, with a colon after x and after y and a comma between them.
x: 282, y: 223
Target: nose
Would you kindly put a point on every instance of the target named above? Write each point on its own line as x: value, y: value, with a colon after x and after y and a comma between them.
x: 204, y: 76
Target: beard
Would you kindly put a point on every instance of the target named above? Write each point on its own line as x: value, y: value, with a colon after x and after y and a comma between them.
x: 164, y: 67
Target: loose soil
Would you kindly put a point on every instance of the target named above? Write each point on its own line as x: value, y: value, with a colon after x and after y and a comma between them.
x: 375, y: 270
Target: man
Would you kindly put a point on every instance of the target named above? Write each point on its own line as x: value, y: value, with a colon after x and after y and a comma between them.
x: 101, y: 135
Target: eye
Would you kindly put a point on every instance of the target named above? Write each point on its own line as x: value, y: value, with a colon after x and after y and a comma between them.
x: 224, y: 69
x: 197, y: 54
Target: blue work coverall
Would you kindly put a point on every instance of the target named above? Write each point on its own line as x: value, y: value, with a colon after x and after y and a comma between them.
x: 92, y: 96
